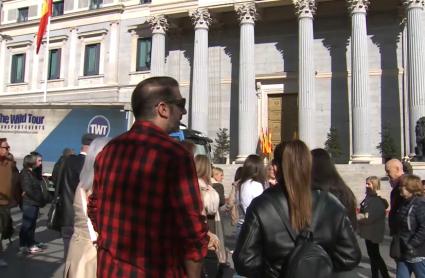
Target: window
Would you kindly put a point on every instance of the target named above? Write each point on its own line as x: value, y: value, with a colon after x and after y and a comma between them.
x: 95, y: 4
x: 57, y: 8
x: 143, y: 54
x: 23, y: 14
x: 54, y: 64
x: 145, y: 1
x: 18, y: 68
x: 91, y: 59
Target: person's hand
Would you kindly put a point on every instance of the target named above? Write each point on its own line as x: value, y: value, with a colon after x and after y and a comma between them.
x: 214, y: 242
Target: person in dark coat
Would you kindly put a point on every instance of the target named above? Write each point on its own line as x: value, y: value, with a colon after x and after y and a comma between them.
x: 32, y: 200
x: 327, y: 178
x: 58, y: 165
x: 394, y: 170
x: 411, y: 228
x: 371, y: 224
x: 68, y: 179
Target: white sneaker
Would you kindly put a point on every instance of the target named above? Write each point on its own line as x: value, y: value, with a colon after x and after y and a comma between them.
x: 34, y: 249
x: 3, y: 263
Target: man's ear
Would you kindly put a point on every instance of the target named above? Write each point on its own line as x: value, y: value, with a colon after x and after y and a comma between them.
x: 163, y: 110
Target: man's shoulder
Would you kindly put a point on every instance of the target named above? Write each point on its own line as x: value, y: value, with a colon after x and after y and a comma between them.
x: 152, y: 139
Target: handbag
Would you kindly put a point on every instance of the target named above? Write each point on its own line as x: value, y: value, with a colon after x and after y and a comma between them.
x: 395, y: 251
x: 53, y: 221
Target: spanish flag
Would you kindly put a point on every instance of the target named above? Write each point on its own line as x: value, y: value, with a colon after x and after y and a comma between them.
x: 266, y: 142
x: 46, y: 12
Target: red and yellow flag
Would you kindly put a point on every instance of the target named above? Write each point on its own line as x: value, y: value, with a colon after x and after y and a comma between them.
x: 46, y: 12
x: 266, y: 142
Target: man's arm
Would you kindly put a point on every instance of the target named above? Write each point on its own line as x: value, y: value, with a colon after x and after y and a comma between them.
x: 185, y: 200
x: 92, y: 201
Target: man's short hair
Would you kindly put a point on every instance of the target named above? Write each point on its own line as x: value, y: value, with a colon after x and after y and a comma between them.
x: 3, y: 140
x: 87, y: 138
x: 149, y: 93
x: 29, y: 161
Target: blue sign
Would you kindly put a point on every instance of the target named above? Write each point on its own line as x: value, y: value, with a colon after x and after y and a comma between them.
x: 99, y: 125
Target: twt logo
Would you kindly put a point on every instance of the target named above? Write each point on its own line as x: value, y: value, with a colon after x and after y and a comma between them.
x: 99, y: 125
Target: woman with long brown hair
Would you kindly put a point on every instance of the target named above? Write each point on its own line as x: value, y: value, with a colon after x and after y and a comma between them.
x: 264, y: 244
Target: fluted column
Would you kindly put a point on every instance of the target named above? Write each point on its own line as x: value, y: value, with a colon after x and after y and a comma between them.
x: 201, y: 20
x: 305, y: 10
x: 359, y: 81
x: 2, y: 62
x: 415, y: 63
x: 112, y: 72
x: 159, y: 26
x: 72, y: 71
x: 248, y: 131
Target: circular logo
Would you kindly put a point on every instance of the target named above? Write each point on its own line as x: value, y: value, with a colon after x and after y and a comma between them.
x: 99, y: 125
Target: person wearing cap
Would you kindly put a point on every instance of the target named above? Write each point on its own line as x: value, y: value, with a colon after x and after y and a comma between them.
x: 68, y: 179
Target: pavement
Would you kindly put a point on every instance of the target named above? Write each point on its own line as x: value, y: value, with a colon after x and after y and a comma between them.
x: 50, y: 263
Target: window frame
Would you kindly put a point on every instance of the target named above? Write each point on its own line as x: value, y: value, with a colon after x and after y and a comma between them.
x: 61, y: 4
x: 142, y: 2
x: 54, y: 75
x: 96, y: 71
x: 138, y: 53
x: 22, y: 17
x: 95, y: 4
x: 13, y: 69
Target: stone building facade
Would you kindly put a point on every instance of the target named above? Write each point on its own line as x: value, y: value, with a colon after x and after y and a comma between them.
x: 295, y: 67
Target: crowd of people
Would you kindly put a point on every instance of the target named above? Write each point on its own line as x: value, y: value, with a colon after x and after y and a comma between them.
x: 144, y: 205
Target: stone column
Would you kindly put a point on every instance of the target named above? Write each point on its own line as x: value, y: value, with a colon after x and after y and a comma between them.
x: 305, y: 10
x: 112, y: 67
x: 248, y: 131
x: 159, y: 26
x: 2, y: 62
x: 72, y: 71
x: 201, y: 20
x: 359, y: 82
x: 415, y: 63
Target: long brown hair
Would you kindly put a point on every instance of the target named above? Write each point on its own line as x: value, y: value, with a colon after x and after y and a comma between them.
x: 296, y: 168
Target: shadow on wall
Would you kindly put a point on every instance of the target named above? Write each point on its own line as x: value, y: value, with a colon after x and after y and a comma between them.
x: 391, y: 96
x: 232, y: 50
x: 336, y: 43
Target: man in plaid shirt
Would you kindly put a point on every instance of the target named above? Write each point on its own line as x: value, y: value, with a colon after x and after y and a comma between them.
x: 146, y: 203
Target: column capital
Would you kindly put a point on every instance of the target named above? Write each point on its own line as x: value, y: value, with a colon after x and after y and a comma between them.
x: 410, y: 4
x: 201, y: 18
x: 247, y: 13
x: 305, y: 8
x: 158, y: 24
x: 358, y: 6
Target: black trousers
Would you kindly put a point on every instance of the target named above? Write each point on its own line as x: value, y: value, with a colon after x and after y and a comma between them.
x: 377, y: 264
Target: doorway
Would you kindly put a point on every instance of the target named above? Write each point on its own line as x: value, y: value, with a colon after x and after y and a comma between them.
x: 283, y: 117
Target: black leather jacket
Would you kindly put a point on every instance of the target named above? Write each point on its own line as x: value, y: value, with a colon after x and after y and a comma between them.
x: 69, y: 177
x: 31, y: 187
x: 264, y: 244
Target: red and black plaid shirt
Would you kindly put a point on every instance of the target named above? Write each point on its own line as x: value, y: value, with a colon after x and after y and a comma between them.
x: 146, y: 206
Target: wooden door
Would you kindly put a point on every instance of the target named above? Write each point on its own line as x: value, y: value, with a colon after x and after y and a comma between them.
x: 283, y: 117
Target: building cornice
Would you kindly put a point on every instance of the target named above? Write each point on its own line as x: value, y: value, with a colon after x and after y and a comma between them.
x: 66, y: 17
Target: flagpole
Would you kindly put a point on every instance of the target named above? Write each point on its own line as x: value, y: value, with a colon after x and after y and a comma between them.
x: 46, y: 60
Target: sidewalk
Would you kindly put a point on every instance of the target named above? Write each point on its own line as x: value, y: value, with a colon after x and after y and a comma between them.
x: 50, y: 263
